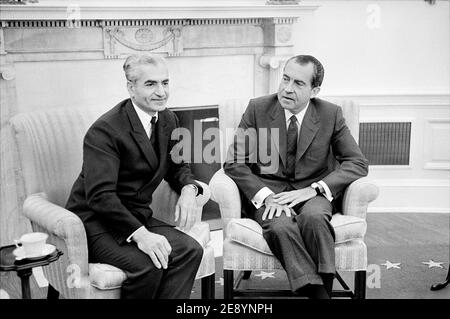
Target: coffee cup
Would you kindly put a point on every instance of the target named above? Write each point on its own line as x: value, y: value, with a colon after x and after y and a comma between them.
x: 33, y: 244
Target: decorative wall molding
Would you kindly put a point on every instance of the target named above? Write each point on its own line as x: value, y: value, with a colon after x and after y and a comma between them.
x: 7, y: 73
x: 271, y: 61
x: 141, y: 39
x: 423, y: 186
x: 436, y: 148
x: 166, y: 27
x: 409, y: 210
x: 101, y: 10
x: 414, y: 183
x: 135, y: 22
x: 282, y: 2
x: 274, y: 63
x: 394, y: 99
x: 411, y: 196
x: 78, y: 40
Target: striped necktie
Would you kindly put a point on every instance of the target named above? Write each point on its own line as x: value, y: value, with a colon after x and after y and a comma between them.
x: 292, y: 136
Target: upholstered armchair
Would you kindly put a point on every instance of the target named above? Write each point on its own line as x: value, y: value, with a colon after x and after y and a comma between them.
x: 244, y: 247
x: 49, y: 145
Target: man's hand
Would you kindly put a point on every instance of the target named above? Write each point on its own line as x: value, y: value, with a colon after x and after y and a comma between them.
x: 276, y: 209
x: 186, y: 209
x: 154, y: 245
x: 294, y: 197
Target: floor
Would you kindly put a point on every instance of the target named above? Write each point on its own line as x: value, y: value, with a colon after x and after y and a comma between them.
x: 410, y: 251
x: 407, y: 253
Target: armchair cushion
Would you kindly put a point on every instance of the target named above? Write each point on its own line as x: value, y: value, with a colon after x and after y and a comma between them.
x: 200, y: 232
x: 248, y: 232
x: 105, y: 277
x: 347, y: 228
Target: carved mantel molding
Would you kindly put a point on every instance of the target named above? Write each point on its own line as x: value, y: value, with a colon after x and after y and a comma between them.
x: 169, y: 9
x: 163, y: 27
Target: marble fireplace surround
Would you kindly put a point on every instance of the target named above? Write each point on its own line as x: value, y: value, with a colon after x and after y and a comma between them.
x: 51, y: 31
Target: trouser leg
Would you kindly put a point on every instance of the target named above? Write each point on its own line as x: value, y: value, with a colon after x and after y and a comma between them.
x: 313, y: 221
x: 178, y: 278
x: 144, y: 280
x: 286, y: 243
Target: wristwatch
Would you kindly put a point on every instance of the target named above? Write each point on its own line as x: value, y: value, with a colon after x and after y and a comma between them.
x: 317, y: 188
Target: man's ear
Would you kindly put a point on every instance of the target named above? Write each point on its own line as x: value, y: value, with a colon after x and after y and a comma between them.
x: 315, y: 91
x: 130, y: 88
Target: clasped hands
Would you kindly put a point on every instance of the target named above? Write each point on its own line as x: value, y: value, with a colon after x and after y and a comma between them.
x: 276, y: 204
x: 156, y: 246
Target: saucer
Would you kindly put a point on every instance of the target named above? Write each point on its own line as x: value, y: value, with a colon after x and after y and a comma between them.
x: 20, y: 253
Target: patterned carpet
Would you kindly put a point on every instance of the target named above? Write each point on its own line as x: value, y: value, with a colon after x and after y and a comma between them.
x: 407, y: 253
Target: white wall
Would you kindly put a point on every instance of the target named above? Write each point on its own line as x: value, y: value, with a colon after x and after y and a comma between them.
x: 393, y: 58
x: 379, y: 46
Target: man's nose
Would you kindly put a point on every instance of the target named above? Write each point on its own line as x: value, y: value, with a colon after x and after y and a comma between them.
x: 289, y: 87
x: 160, y: 90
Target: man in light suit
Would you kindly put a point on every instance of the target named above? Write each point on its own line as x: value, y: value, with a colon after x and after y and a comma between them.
x: 318, y: 158
x: 126, y: 154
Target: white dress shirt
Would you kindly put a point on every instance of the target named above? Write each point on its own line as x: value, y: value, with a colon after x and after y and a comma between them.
x: 145, y: 119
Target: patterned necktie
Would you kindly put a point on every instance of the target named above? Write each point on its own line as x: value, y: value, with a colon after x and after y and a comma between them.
x: 153, y: 133
x: 292, y: 134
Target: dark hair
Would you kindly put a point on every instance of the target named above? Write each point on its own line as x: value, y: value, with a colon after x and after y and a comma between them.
x: 318, y: 74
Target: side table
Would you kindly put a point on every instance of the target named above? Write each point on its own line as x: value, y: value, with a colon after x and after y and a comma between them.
x: 24, y: 266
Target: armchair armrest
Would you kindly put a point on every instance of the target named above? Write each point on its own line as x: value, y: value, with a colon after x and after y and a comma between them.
x: 225, y: 192
x: 165, y: 199
x: 357, y: 197
x: 70, y: 238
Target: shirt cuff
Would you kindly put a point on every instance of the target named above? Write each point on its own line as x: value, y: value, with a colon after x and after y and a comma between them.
x: 260, y: 196
x: 327, y: 194
x: 197, y: 187
x: 131, y: 236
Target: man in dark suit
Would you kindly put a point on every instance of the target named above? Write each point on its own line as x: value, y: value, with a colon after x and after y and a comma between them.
x: 126, y: 154
x: 315, y: 159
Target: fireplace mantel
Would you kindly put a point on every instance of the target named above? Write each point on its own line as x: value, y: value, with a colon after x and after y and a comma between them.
x: 98, y: 30
x: 120, y: 10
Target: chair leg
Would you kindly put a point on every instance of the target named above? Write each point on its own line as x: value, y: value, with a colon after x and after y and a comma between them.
x: 52, y: 293
x: 360, y: 284
x: 208, y: 289
x: 247, y: 274
x: 228, y: 283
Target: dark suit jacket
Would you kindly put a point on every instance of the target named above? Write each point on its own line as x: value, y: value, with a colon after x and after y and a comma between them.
x: 325, y: 151
x: 121, y: 171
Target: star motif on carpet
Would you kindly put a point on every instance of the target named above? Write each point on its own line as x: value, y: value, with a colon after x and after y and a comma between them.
x: 432, y: 264
x: 220, y: 281
x: 265, y: 275
x: 390, y: 265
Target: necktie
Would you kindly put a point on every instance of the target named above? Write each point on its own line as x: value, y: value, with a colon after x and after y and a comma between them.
x: 292, y: 134
x: 153, y: 134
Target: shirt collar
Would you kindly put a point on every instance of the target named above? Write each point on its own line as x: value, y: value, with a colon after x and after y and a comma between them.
x: 300, y: 115
x: 144, y: 116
